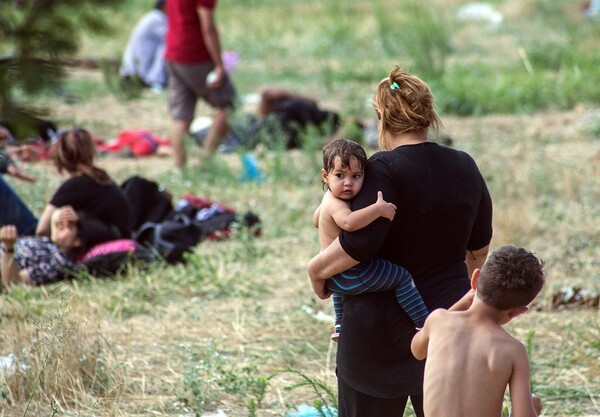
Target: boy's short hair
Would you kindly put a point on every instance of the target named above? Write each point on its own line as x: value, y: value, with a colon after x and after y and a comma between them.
x: 511, y: 277
x: 346, y: 149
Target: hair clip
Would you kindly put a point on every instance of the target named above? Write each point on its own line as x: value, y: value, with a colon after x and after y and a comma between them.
x: 394, y: 86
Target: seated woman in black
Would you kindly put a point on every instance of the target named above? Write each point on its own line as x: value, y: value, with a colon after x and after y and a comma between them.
x: 89, y: 190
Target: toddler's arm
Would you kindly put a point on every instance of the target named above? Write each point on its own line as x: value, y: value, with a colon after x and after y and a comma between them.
x: 353, y: 220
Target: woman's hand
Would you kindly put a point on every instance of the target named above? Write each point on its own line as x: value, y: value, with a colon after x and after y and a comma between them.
x: 65, y: 214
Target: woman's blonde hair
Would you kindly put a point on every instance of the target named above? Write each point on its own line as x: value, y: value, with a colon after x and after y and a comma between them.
x: 74, y: 152
x: 404, y: 104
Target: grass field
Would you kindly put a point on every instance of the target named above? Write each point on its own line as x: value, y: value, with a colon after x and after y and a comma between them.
x: 237, y: 327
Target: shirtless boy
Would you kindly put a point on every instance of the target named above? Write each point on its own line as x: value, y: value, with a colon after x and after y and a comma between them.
x: 470, y: 357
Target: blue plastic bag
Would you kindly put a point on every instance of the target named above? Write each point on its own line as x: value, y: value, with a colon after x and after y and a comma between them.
x: 305, y: 410
x: 250, y: 170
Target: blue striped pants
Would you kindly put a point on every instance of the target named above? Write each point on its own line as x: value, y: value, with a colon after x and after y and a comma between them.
x: 374, y: 276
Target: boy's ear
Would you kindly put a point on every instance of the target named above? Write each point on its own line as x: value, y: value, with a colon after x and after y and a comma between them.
x: 475, y: 278
x: 517, y: 311
x: 77, y: 243
x: 324, y: 174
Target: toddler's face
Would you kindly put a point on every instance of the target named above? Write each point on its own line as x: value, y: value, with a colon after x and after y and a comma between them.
x: 344, y: 182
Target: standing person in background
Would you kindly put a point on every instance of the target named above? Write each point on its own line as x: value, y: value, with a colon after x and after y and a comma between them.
x: 144, y: 55
x: 440, y: 234
x: 196, y: 70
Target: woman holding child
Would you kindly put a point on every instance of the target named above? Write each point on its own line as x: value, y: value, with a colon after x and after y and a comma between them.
x: 440, y: 234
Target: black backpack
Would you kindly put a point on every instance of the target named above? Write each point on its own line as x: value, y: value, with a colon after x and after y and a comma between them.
x: 148, y: 202
x: 170, y: 238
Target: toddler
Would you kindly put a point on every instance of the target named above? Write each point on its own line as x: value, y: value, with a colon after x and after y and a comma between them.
x: 343, y: 173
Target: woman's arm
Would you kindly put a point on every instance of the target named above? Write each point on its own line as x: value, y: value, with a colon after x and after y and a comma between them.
x: 44, y: 224
x: 330, y: 261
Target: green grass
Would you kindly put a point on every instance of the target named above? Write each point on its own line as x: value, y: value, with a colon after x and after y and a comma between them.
x: 339, y: 48
x: 230, y: 329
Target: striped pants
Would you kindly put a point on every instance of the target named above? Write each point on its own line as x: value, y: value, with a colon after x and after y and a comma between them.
x: 374, y: 276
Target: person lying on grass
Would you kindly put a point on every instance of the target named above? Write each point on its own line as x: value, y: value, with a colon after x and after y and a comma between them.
x: 37, y: 260
x: 470, y: 357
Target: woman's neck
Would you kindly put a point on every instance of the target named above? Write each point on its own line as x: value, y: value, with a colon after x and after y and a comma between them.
x: 410, y: 138
x: 75, y: 173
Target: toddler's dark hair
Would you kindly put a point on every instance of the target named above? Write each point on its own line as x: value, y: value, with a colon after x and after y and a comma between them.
x: 346, y: 149
x: 511, y: 277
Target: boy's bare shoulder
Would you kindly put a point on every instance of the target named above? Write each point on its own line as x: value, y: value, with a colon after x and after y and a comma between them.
x: 513, y: 344
x: 439, y: 314
x: 437, y: 317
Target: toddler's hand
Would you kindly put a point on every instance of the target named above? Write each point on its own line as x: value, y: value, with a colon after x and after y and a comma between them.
x: 388, y: 210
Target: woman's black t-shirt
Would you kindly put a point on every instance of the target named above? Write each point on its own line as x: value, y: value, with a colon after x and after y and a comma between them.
x: 443, y: 210
x: 106, y: 203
